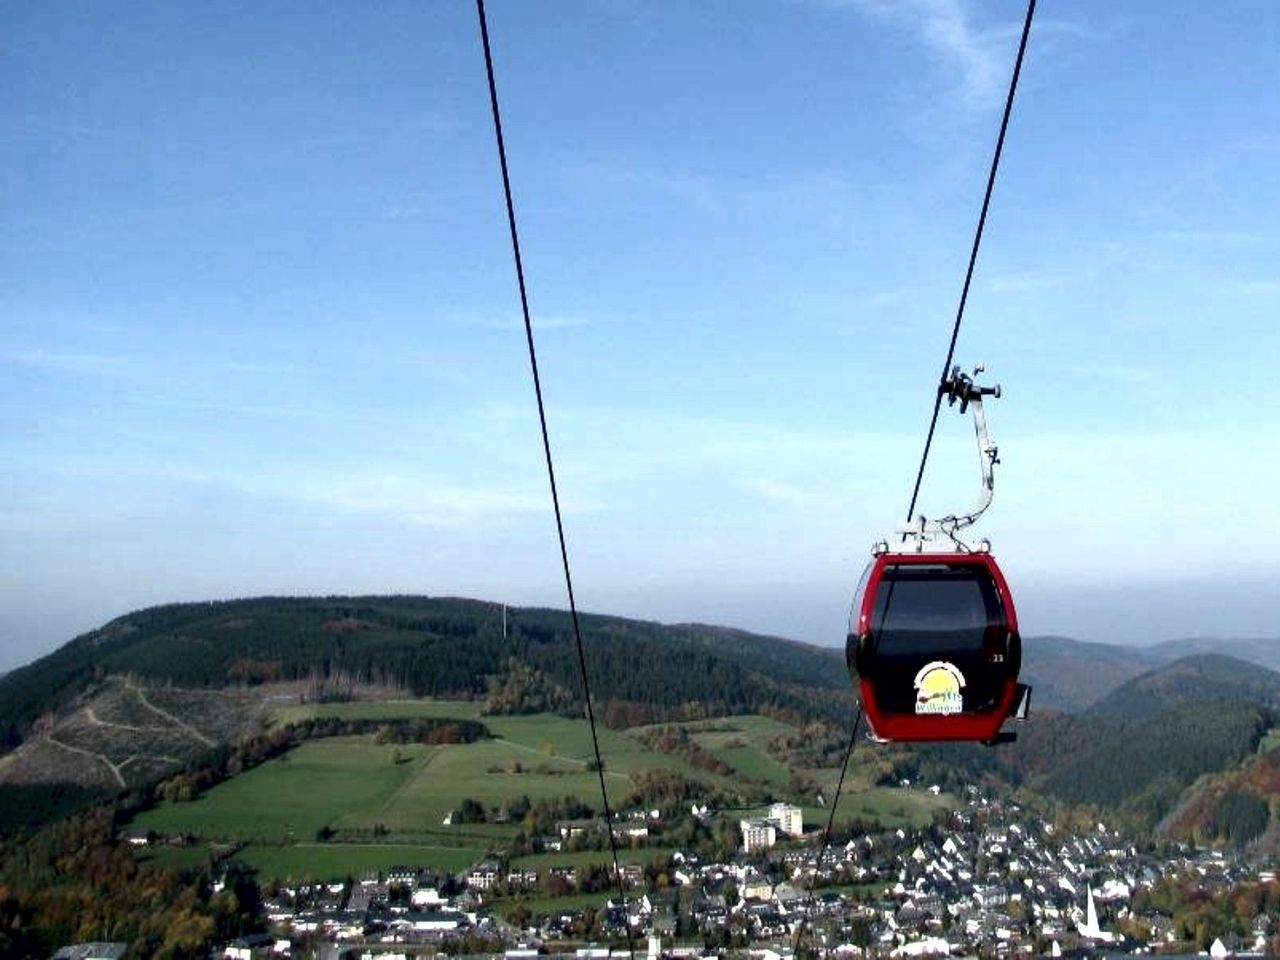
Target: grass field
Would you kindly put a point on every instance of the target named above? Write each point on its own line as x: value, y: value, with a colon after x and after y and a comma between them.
x: 321, y: 783
x: 886, y: 805
x: 176, y: 858
x: 578, y: 858
x: 1270, y: 740
x: 350, y: 783
x: 355, y: 787
x: 383, y: 710
x: 571, y: 740
x: 742, y: 742
x: 443, y: 777
x: 551, y: 906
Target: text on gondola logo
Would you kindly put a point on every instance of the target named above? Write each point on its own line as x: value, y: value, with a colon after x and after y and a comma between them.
x: 938, y: 686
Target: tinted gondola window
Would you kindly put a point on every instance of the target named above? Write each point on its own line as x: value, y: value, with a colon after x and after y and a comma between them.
x: 935, y: 609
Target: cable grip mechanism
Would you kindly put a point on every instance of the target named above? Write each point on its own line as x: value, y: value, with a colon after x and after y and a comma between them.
x: 962, y: 388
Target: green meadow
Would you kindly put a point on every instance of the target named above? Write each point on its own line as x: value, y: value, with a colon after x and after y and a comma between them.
x: 176, y: 858
x: 386, y: 804
x: 742, y: 742
x: 887, y: 806
x: 380, y: 710
x: 581, y: 858
x: 321, y: 783
x: 550, y: 906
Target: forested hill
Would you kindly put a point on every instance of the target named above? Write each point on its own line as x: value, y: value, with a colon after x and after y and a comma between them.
x: 640, y: 671
x: 1264, y: 651
x: 1193, y: 679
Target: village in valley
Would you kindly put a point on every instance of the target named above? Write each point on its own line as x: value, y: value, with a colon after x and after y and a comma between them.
x: 989, y: 879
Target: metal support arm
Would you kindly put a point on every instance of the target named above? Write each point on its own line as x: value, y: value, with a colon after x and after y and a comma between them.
x: 962, y: 388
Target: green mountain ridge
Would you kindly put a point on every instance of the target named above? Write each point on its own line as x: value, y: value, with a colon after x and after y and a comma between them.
x: 1264, y: 651
x: 454, y: 647
x: 1138, y: 734
x: 437, y: 647
x: 1072, y: 675
x: 1190, y: 679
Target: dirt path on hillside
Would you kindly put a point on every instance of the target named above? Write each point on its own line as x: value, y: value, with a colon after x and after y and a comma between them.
x: 98, y: 721
x: 148, y: 756
x: 115, y: 771
x: 142, y: 697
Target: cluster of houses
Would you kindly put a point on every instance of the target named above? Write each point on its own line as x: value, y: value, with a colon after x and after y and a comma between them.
x: 401, y: 906
x: 994, y: 880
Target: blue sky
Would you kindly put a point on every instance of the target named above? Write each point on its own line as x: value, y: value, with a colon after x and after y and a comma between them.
x: 259, y: 329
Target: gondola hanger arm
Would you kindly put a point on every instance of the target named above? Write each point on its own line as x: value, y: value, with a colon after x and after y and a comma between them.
x: 963, y: 389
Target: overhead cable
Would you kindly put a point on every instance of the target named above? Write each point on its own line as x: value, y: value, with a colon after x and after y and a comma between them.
x: 973, y: 254
x: 546, y: 449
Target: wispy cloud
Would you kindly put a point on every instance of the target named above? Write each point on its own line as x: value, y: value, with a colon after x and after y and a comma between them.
x: 807, y: 193
x: 421, y: 203
x: 978, y: 56
x: 1256, y: 288
x: 1210, y: 237
x: 1027, y: 282
x: 419, y: 500
x: 792, y: 494
x: 78, y: 363
x: 64, y: 361
x: 229, y: 406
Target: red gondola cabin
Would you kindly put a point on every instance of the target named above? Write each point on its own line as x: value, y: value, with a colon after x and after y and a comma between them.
x: 933, y: 644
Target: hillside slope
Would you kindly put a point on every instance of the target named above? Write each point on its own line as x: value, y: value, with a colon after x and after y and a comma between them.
x: 1072, y: 675
x: 436, y: 647
x: 1234, y: 806
x: 121, y: 734
x: 423, y: 646
x: 1189, y: 680
x: 1264, y: 651
x: 1142, y: 736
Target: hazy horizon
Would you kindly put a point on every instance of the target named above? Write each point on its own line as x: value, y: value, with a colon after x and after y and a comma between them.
x: 1129, y: 630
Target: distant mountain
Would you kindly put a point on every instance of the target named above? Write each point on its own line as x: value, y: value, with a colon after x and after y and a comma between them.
x: 1072, y: 675
x: 1190, y: 679
x: 447, y: 646
x: 1136, y: 769
x: 1156, y: 735
x: 1264, y: 651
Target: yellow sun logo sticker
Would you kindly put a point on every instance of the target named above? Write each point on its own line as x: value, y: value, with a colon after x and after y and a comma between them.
x: 938, y: 686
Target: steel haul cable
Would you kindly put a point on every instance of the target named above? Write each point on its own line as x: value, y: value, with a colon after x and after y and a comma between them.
x: 973, y: 252
x: 826, y: 834
x: 933, y: 421
x: 546, y: 448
